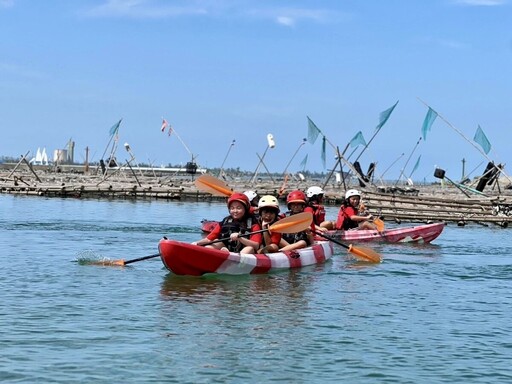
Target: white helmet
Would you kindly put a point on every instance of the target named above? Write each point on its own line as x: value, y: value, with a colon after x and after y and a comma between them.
x: 352, y: 192
x: 250, y: 195
x: 268, y: 201
x: 312, y: 191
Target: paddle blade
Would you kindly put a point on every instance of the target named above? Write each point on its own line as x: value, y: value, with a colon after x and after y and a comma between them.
x: 379, y: 223
x: 105, y: 263
x: 365, y: 254
x: 293, y: 224
x: 211, y: 184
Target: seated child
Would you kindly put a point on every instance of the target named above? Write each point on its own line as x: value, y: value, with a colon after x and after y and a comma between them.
x: 349, y: 216
x: 268, y: 208
x: 296, y: 201
x: 239, y: 221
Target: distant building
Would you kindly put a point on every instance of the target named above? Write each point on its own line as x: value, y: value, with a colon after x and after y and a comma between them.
x: 41, y: 158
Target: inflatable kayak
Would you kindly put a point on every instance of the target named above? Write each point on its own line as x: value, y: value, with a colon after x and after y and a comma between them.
x: 418, y: 234
x: 188, y: 259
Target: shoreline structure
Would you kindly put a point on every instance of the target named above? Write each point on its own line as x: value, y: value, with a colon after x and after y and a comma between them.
x: 419, y: 203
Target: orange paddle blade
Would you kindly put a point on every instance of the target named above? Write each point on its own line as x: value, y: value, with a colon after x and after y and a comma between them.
x: 365, y: 254
x: 107, y: 263
x: 293, y: 224
x: 379, y: 223
x: 211, y: 184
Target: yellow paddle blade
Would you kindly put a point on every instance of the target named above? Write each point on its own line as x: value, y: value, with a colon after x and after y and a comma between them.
x: 211, y: 184
x: 293, y: 224
x: 379, y: 223
x: 365, y: 254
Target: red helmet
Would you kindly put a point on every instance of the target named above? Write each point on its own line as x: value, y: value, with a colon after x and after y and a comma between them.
x: 295, y: 197
x: 239, y: 197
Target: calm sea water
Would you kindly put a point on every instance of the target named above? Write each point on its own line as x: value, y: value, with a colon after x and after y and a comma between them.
x: 428, y: 313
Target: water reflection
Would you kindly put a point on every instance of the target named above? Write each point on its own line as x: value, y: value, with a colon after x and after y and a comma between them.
x: 259, y: 288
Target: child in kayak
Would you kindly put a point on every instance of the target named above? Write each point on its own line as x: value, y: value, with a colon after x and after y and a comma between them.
x: 268, y: 208
x: 254, y: 198
x: 315, y: 197
x: 349, y: 216
x: 239, y: 221
x: 296, y: 201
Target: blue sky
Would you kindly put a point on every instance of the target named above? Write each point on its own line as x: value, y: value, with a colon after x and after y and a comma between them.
x: 220, y: 70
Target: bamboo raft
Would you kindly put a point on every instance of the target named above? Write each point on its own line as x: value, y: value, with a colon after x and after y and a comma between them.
x: 423, y: 205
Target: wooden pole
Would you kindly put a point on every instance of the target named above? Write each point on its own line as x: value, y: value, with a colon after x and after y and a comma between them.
x: 31, y: 169
x: 19, y: 162
x: 86, y: 168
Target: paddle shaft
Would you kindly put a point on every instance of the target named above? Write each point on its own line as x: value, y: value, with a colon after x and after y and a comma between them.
x: 366, y: 253
x: 331, y: 239
x: 241, y: 235
x: 141, y: 258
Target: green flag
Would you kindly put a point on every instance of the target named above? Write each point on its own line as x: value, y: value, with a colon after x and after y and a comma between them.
x: 384, y: 116
x: 313, y: 131
x: 304, y: 162
x: 416, y: 165
x: 481, y: 139
x: 358, y: 139
x: 427, y: 123
x: 115, y: 128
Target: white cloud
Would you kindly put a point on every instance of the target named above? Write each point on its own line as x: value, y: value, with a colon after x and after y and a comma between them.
x: 289, y: 17
x: 286, y: 21
x: 481, y: 2
x: 238, y: 9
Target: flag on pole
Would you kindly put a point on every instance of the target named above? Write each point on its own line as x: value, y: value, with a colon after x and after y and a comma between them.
x: 115, y: 128
x: 357, y: 140
x: 481, y: 139
x: 170, y: 130
x: 164, y: 125
x: 416, y: 165
x: 384, y: 116
x: 324, y: 140
x: 304, y: 162
x: 313, y: 131
x: 427, y: 123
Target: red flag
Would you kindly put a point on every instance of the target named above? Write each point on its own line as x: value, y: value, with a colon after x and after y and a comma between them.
x: 164, y: 125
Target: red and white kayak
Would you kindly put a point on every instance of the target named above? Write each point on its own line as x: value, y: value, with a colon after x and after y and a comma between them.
x: 188, y: 259
x: 417, y: 234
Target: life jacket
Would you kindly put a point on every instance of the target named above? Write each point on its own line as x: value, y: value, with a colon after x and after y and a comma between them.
x: 228, y: 226
x: 295, y: 237
x: 318, y: 212
x: 343, y: 221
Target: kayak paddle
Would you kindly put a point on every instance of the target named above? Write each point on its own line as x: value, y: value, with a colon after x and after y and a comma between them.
x: 362, y: 253
x: 213, y: 185
x: 290, y: 224
x: 120, y: 262
x: 379, y: 224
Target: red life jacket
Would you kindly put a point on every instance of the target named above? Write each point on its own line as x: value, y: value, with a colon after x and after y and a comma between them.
x: 318, y: 212
x: 343, y: 221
